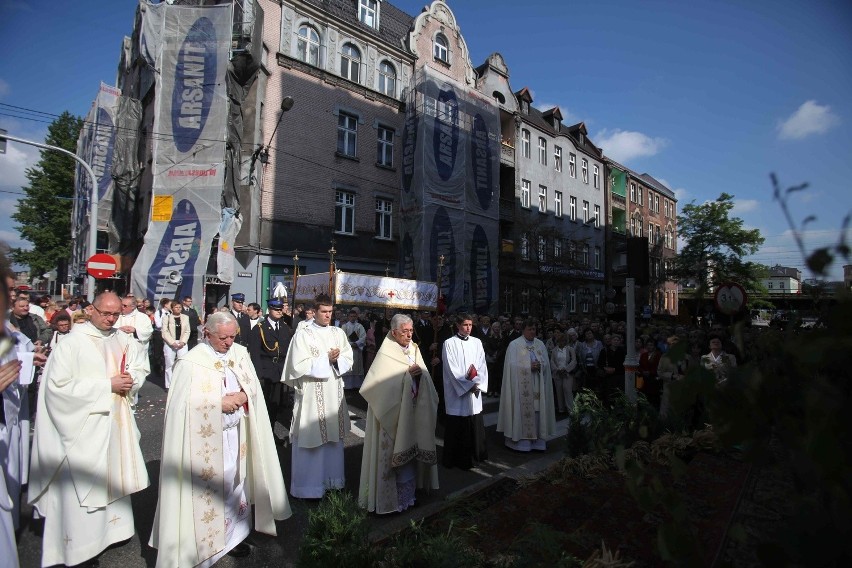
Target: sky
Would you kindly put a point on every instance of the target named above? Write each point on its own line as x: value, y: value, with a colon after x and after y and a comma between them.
x: 707, y: 97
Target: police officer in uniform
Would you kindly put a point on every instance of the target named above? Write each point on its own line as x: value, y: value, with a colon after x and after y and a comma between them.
x: 238, y: 301
x: 270, y: 339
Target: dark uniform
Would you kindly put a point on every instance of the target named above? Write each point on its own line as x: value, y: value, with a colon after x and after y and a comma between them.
x: 243, y: 321
x: 426, y: 336
x: 269, y: 341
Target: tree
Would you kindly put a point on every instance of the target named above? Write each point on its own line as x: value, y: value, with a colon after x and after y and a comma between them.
x: 44, y: 215
x: 715, y: 246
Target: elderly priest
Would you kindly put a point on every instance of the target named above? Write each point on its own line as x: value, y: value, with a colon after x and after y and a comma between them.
x: 399, y: 444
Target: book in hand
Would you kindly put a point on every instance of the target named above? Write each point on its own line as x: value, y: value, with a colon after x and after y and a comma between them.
x: 471, y: 372
x: 353, y: 337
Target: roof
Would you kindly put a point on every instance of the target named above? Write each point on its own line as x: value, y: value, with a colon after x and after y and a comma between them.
x: 650, y: 180
x: 394, y: 24
x: 538, y: 119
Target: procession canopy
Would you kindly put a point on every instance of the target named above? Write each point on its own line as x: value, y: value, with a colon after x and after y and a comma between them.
x: 369, y: 290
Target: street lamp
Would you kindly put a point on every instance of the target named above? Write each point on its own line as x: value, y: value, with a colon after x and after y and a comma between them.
x: 286, y: 104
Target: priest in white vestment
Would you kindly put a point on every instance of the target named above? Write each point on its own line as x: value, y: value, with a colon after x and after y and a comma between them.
x: 357, y: 340
x: 399, y: 443
x: 135, y: 323
x: 86, y: 459
x: 527, y: 417
x: 319, y: 355
x: 219, y: 455
x: 465, y: 374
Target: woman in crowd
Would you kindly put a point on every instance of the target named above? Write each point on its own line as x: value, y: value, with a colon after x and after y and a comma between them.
x: 61, y: 324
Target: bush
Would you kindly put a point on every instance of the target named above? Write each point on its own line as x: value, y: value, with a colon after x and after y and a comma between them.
x: 337, y: 534
x: 594, y: 428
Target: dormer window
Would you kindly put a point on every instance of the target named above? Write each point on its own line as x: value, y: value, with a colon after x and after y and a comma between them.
x: 442, y: 49
x: 368, y: 12
x: 525, y: 107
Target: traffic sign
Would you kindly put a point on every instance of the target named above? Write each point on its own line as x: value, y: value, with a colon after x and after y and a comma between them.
x: 101, y: 265
x: 730, y: 298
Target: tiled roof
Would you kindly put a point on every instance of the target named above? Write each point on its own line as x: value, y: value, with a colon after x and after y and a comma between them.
x: 394, y: 24
x: 658, y: 186
x: 537, y: 119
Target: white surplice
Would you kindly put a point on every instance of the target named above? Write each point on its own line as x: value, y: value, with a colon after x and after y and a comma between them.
x: 458, y: 355
x: 215, y: 466
x: 86, y: 458
x: 320, y: 415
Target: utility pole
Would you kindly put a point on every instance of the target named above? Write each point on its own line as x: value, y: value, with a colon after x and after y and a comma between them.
x: 93, y: 202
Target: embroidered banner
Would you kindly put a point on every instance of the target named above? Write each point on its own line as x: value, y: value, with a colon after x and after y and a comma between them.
x: 369, y: 290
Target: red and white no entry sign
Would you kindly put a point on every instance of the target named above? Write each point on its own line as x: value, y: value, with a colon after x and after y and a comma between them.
x: 101, y: 265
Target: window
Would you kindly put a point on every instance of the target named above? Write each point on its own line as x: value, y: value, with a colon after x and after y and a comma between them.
x: 525, y: 193
x: 442, y: 48
x: 633, y: 227
x: 572, y: 165
x: 542, y: 151
x: 666, y: 207
x: 385, y: 147
x: 542, y: 199
x: 572, y: 251
x: 344, y: 212
x: 639, y: 193
x: 597, y: 215
x: 525, y: 300
x: 572, y: 301
x: 347, y: 134
x: 367, y: 12
x: 525, y: 247
x: 651, y: 234
x: 585, y: 212
x: 557, y: 158
x: 597, y: 297
x: 384, y: 218
x: 307, y: 45
x: 596, y: 175
x: 597, y: 258
x: 572, y: 208
x: 585, y: 170
x: 557, y: 248
x: 387, y: 79
x: 542, y: 248
x: 557, y: 203
x: 508, y: 293
x: 525, y: 143
x: 639, y: 227
x: 633, y: 192
x: 350, y: 62
x: 585, y: 258
x: 586, y: 297
x: 657, y: 203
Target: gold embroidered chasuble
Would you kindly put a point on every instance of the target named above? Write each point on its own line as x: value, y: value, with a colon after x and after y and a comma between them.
x: 189, y: 526
x: 524, y: 393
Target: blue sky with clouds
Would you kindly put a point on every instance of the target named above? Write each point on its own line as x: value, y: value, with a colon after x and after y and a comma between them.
x: 707, y: 97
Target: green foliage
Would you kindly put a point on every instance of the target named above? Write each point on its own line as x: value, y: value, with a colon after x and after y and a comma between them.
x: 419, y: 548
x: 595, y: 428
x: 44, y: 215
x: 541, y: 545
x: 715, y: 246
x: 336, y: 534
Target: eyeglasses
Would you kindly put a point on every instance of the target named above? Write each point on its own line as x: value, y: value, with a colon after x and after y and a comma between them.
x: 107, y: 314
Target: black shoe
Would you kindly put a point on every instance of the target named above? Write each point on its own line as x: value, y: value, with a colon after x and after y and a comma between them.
x: 240, y: 551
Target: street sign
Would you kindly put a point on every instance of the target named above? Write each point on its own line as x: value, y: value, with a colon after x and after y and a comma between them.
x: 646, y: 311
x: 101, y: 265
x: 730, y: 298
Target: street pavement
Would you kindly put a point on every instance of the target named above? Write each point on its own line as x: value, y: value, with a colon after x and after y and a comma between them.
x: 283, y: 549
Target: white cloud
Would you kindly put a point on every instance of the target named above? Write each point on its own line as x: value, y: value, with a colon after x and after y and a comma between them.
x: 14, y: 163
x: 13, y: 239
x: 745, y: 205
x: 624, y: 145
x: 810, y: 118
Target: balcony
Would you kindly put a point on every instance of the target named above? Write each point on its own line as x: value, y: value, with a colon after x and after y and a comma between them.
x: 507, y: 155
x: 618, y: 201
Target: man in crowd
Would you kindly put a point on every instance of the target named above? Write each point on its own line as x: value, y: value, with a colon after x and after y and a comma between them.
x: 29, y: 324
x: 194, y: 321
x: 134, y: 323
x: 238, y: 302
x: 219, y: 456
x: 86, y: 457
x: 309, y: 313
x: 465, y: 382
x: 399, y: 443
x: 526, y: 415
x: 357, y: 336
x: 319, y: 356
x: 270, y: 340
x: 254, y: 312
x: 430, y: 340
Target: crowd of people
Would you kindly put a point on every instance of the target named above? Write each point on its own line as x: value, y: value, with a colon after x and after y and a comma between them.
x: 232, y: 376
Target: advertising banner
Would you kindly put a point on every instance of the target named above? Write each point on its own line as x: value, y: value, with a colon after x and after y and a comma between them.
x: 450, y: 191
x: 188, y: 171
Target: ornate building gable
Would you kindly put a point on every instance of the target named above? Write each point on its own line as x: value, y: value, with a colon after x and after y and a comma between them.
x: 436, y: 40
